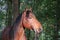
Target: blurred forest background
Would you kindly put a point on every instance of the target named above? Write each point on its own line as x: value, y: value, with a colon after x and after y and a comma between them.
x: 46, y: 11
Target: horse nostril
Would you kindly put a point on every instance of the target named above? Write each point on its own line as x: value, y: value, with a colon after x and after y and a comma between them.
x: 40, y: 30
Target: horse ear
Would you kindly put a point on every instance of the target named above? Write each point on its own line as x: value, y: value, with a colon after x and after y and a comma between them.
x: 30, y: 9
x: 26, y: 9
x: 27, y: 13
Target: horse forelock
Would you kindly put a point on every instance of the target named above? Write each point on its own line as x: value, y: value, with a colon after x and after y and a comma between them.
x: 14, y: 27
x: 27, y: 13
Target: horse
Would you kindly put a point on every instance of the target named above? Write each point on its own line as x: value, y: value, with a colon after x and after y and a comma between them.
x: 25, y: 20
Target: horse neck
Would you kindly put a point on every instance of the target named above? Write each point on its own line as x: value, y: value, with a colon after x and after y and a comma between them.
x: 19, y: 31
x: 19, y: 34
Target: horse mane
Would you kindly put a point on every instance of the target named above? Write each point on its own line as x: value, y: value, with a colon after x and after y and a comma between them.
x: 15, y: 24
x: 18, y: 19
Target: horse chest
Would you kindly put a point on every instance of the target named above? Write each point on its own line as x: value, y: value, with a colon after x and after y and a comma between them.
x: 20, y: 35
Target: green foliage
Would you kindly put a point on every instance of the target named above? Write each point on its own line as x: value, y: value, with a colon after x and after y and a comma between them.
x: 45, y: 11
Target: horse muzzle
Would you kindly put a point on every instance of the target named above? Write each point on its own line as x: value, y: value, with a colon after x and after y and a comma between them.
x: 38, y: 31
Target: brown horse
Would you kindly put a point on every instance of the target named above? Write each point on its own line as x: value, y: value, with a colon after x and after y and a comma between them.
x: 26, y: 20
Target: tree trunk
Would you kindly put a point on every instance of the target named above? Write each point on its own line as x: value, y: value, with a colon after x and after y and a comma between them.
x: 15, y: 9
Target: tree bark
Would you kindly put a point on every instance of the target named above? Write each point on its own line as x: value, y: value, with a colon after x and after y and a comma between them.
x: 15, y: 9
